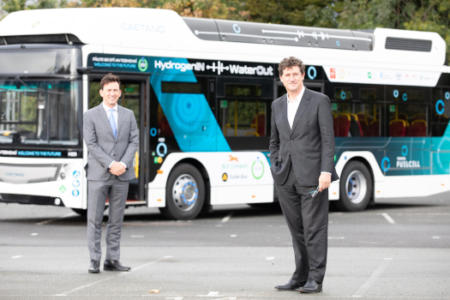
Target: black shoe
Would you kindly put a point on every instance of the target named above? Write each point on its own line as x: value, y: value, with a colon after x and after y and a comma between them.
x: 290, y: 286
x: 94, y: 266
x: 114, y: 265
x: 311, y: 287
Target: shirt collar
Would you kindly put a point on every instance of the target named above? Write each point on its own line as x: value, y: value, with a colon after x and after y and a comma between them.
x: 298, y: 98
x: 107, y: 108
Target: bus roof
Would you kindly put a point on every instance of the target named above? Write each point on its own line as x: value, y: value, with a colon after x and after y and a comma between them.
x: 164, y: 32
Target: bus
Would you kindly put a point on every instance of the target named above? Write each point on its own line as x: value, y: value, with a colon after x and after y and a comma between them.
x: 201, y: 90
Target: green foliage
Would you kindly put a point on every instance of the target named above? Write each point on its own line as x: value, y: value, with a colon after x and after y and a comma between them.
x: 298, y: 12
x: 424, y: 15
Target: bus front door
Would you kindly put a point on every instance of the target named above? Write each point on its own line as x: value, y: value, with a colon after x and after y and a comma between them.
x: 135, y: 96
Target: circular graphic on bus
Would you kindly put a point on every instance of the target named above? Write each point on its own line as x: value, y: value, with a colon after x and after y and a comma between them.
x: 385, y: 164
x: 188, y: 111
x: 257, y: 169
x: 404, y: 150
x: 312, y: 73
x: 440, y: 107
x: 143, y: 64
x: 405, y: 97
x: 395, y: 93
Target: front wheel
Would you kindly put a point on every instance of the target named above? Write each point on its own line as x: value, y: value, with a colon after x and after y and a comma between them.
x: 185, y: 193
x: 356, y: 187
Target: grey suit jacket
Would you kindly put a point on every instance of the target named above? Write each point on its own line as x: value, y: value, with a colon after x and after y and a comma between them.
x: 308, y: 147
x: 103, y: 148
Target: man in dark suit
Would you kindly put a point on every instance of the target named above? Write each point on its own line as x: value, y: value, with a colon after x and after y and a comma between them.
x: 302, y: 165
x: 112, y: 139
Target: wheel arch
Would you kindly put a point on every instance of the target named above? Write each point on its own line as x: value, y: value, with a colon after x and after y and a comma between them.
x: 369, y: 168
x: 201, y: 168
x: 366, y: 163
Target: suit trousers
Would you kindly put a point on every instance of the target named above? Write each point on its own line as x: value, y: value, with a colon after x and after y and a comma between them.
x: 98, y: 191
x: 307, y: 220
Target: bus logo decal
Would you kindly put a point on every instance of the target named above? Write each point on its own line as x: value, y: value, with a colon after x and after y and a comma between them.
x: 143, y: 64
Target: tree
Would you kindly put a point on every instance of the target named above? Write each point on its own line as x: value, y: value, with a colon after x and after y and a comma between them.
x: 294, y: 12
x: 425, y: 15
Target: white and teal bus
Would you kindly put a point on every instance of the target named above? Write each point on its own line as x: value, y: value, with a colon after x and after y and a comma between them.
x: 201, y: 90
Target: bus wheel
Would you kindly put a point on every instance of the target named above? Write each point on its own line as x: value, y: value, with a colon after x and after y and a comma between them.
x: 355, y: 187
x: 185, y: 193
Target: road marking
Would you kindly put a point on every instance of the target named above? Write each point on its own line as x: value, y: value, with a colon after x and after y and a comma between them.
x: 34, y: 234
x: 336, y: 237
x: 388, y: 218
x: 270, y: 257
x: 373, y: 277
x: 233, y: 236
x: 227, y: 218
x: 84, y: 286
x: 56, y: 219
x: 137, y: 236
x: 16, y: 256
x: 436, y: 237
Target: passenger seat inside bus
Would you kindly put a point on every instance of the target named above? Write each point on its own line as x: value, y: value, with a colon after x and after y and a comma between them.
x: 398, y: 127
x: 418, y: 128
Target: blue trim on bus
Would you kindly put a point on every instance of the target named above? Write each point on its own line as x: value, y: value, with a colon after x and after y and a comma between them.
x: 190, y: 116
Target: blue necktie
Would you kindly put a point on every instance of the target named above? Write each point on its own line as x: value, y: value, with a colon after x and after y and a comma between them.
x: 112, y: 122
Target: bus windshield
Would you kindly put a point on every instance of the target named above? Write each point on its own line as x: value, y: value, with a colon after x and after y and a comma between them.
x: 39, y: 112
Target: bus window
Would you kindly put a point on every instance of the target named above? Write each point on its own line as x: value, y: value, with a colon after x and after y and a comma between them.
x: 39, y: 112
x: 243, y: 118
x: 407, y: 111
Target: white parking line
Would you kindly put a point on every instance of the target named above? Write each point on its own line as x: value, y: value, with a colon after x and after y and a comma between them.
x: 373, y: 277
x: 388, y: 218
x: 227, y: 218
x: 134, y: 269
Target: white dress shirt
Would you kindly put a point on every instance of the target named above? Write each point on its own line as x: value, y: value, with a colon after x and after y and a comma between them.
x: 292, y: 106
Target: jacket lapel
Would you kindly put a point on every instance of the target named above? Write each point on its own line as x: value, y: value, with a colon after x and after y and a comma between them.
x: 303, y: 107
x: 284, y: 113
x: 119, y: 114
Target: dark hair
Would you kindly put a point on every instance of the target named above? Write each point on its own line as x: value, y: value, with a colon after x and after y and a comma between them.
x: 289, y: 62
x: 108, y: 78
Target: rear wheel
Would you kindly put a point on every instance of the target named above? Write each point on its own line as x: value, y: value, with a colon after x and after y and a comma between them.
x: 185, y: 193
x: 356, y: 187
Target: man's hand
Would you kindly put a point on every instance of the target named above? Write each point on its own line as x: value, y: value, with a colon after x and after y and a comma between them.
x: 117, y: 168
x: 324, y: 181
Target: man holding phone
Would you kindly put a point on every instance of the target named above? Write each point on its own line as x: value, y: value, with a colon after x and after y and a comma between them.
x: 302, y: 165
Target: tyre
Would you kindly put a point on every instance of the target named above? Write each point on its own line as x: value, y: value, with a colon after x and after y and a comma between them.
x: 356, y: 187
x: 185, y: 193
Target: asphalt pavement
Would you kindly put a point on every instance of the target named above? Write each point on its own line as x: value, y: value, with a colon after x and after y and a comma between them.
x: 390, y: 251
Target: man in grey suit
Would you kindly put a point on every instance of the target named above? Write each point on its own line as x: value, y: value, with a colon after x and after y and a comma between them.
x: 112, y: 139
x: 302, y: 165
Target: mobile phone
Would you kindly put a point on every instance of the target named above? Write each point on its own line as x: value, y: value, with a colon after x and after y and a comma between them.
x: 314, y: 192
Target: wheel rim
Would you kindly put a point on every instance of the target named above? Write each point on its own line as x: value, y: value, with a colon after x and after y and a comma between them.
x: 356, y: 187
x: 185, y: 192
